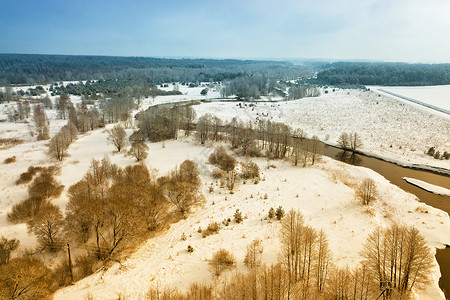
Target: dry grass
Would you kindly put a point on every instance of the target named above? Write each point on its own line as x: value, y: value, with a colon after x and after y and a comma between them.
x: 422, y: 209
x: 370, y: 211
x: 344, y: 177
x: 9, y: 143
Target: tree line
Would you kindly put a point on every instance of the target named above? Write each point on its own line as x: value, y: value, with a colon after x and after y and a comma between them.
x: 33, y: 68
x: 384, y: 74
x: 264, y: 137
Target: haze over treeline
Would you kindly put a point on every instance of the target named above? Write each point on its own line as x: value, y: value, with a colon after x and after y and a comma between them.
x: 148, y: 71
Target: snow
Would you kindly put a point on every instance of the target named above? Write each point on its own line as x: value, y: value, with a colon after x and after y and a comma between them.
x: 188, y: 94
x: 325, y: 197
x: 387, y: 128
x: 325, y: 191
x: 438, y: 95
x: 428, y: 186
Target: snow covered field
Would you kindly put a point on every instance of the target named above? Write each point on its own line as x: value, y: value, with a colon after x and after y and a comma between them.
x: 323, y: 197
x: 325, y: 192
x: 387, y: 128
x: 435, y: 95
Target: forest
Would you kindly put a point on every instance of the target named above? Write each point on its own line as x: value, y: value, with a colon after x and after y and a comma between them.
x: 114, y: 72
x: 390, y: 74
x: 34, y: 68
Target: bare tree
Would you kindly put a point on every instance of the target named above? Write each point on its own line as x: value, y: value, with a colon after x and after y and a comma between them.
x: 6, y: 247
x: 253, y: 254
x: 60, y: 142
x: 323, y: 263
x: 355, y: 141
x: 222, y: 159
x: 367, y: 191
x: 398, y: 259
x: 344, y: 141
x: 86, y: 211
x: 47, y: 225
x: 121, y: 224
x: 41, y: 123
x: 117, y: 136
x: 58, y: 147
x: 46, y: 102
x: 189, y: 117
x: 152, y: 205
x: 62, y: 105
x: 25, y: 278
x: 139, y: 150
x: 299, y: 248
x: 8, y: 93
x: 182, y: 186
x: 305, y: 150
x: 316, y: 148
x: 292, y: 225
x: 216, y: 128
x: 204, y: 128
x: 297, y: 142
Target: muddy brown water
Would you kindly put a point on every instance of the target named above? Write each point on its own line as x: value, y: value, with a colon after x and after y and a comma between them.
x: 394, y: 174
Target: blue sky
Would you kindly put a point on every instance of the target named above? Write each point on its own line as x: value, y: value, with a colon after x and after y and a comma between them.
x: 391, y: 30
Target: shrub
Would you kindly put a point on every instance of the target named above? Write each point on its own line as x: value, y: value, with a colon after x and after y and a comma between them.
x: 43, y: 188
x: 437, y: 155
x: 217, y: 155
x: 45, y: 185
x: 431, y: 151
x: 213, y: 228
x: 271, y: 213
x: 9, y: 143
x: 62, y: 274
x: 217, y: 173
x: 221, y: 260
x: 190, y: 249
x: 85, y: 265
x: 6, y: 248
x: 26, y: 177
x: 223, y: 160
x: 446, y: 155
x: 24, y: 210
x: 238, y: 216
x: 10, y: 160
x: 250, y: 170
x: 279, y: 213
x: 25, y: 278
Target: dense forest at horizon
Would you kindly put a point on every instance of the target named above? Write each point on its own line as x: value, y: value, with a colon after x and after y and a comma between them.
x: 38, y: 69
x: 244, y: 78
x: 389, y: 74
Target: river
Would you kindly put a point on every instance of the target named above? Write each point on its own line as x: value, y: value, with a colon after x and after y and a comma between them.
x: 394, y: 174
